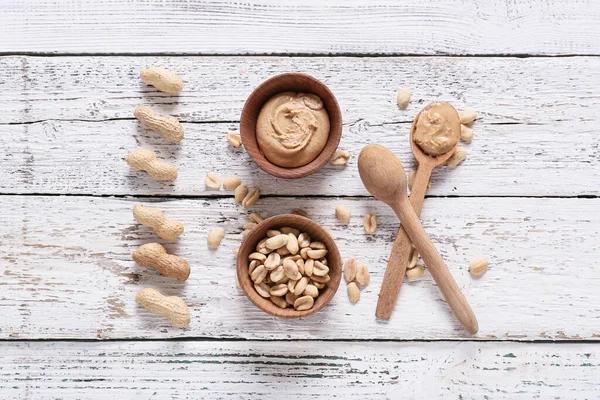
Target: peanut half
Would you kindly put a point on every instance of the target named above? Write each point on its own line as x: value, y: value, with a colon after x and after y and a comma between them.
x: 403, y: 98
x: 169, y: 126
x: 162, y: 79
x: 168, y: 229
x: 466, y: 133
x: 459, y: 156
x: 251, y: 197
x: 172, y: 307
x: 340, y: 157
x: 240, y: 193
x: 146, y: 160
x: 353, y: 292
x: 232, y: 182
x: 343, y: 214
x: 467, y: 115
x: 362, y: 275
x: 415, y: 273
x: 350, y: 268
x: 234, y: 140
x: 212, y: 181
x: 478, y: 267
x: 370, y: 223
x: 214, y: 237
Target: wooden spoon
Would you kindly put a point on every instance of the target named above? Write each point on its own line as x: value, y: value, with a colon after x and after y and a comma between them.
x: 384, y: 177
x: 398, y: 261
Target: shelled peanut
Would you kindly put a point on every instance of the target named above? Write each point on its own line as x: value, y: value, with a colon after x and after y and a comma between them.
x: 289, y: 268
x: 169, y: 126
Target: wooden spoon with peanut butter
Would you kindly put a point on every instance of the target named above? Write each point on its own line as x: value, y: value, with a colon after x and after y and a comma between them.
x: 435, y: 129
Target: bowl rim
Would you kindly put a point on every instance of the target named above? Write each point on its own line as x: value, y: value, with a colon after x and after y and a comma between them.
x: 335, y: 130
x: 252, y: 239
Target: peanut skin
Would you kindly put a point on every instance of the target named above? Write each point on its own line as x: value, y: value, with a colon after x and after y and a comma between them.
x: 167, y: 125
x: 162, y: 79
x: 165, y: 228
x: 154, y: 255
x: 172, y: 307
x: 146, y: 160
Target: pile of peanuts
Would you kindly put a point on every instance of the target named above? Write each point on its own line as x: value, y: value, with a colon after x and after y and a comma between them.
x: 289, y: 269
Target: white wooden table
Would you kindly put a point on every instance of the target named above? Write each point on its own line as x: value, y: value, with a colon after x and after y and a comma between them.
x: 527, y: 198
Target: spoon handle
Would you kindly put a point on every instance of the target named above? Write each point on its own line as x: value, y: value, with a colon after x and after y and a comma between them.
x: 446, y: 283
x: 399, y: 257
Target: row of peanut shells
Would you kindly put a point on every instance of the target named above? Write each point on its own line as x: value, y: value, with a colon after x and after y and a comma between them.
x: 154, y: 254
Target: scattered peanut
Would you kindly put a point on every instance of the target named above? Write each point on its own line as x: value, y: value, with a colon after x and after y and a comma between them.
x: 168, y: 229
x: 370, y: 223
x: 232, y: 182
x: 239, y: 193
x: 300, y: 212
x: 254, y: 217
x: 154, y: 255
x: 467, y: 115
x: 214, y: 237
x: 169, y: 126
x: 350, y: 268
x: 343, y: 214
x: 340, y: 157
x: 212, y: 181
x: 304, y: 303
x: 459, y: 156
x: 248, y: 226
x: 478, y: 267
x: 466, y: 133
x: 415, y: 273
x: 403, y: 98
x: 146, y: 160
x: 162, y: 79
x: 280, y: 271
x: 251, y: 198
x: 413, y: 258
x: 234, y: 140
x: 353, y: 292
x: 362, y: 275
x: 172, y: 307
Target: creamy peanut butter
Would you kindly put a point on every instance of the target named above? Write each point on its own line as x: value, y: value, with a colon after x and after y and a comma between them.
x: 292, y: 129
x: 437, y: 129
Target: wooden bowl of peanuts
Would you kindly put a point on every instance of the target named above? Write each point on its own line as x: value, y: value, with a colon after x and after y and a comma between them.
x: 297, y: 83
x: 289, y: 266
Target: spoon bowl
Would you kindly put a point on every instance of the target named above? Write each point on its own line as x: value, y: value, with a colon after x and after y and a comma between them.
x: 382, y: 173
x: 454, y: 121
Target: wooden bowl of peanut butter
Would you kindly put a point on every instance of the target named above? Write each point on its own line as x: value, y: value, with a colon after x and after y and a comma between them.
x: 291, y: 125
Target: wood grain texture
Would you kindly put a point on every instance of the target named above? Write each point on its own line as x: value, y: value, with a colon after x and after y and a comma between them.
x: 264, y: 370
x: 539, y: 110
x: 308, y: 26
x: 66, y: 270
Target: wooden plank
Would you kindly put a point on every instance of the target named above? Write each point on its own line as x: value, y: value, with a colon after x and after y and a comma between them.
x: 88, y: 158
x: 527, y: 129
x: 308, y: 26
x: 503, y: 90
x: 66, y: 270
x: 265, y: 370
